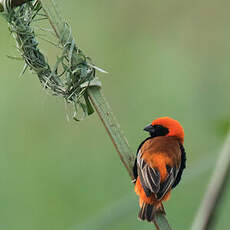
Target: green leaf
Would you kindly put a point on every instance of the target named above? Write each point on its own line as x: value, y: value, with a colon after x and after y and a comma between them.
x: 90, y: 109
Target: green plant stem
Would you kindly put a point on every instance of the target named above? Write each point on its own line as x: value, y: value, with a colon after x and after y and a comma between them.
x: 101, y: 106
x: 207, y: 212
x: 161, y: 223
x: 103, y: 109
x: 112, y: 127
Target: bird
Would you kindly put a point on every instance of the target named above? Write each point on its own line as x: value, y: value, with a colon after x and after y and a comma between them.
x: 158, y: 167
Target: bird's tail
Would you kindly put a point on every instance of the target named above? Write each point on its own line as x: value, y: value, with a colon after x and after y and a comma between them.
x: 148, y: 211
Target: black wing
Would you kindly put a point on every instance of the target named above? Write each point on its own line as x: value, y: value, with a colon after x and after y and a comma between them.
x: 135, y: 163
x: 151, y: 180
x: 149, y: 177
x: 182, y: 166
x: 167, y: 184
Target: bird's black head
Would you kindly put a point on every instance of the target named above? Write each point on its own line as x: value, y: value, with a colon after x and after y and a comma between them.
x: 156, y: 130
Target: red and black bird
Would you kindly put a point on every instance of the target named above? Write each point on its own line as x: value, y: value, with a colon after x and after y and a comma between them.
x: 159, y: 165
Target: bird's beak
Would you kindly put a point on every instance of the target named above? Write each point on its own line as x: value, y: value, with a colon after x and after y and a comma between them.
x: 149, y: 128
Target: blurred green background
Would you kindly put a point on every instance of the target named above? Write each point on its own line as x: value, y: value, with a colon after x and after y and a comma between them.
x: 163, y: 58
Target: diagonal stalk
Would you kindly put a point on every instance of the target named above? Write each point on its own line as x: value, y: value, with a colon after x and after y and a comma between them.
x: 207, y: 212
x: 112, y: 127
x: 101, y: 106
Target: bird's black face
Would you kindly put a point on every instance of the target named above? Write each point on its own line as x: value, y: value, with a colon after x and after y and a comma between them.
x: 156, y: 130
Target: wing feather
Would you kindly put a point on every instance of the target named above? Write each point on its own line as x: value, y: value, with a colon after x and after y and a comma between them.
x: 151, y: 180
x: 149, y: 177
x: 166, y: 185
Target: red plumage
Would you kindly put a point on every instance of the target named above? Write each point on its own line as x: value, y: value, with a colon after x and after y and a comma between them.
x: 159, y: 165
